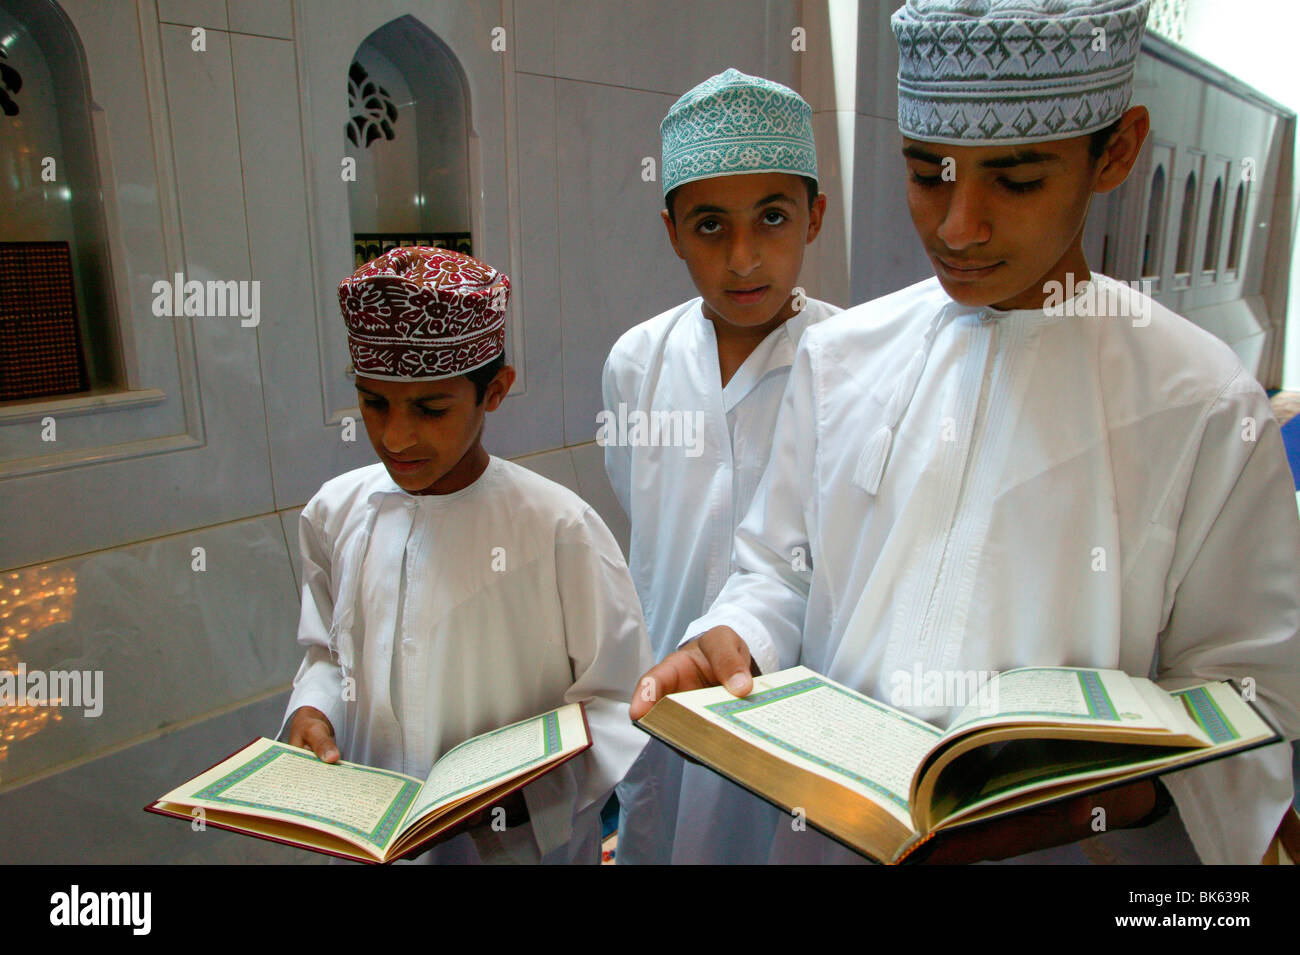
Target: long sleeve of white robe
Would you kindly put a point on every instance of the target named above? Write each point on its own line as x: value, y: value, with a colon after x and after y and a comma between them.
x: 319, y: 682
x: 514, y: 598
x: 606, y: 641
x: 1060, y: 491
x: 1234, y: 587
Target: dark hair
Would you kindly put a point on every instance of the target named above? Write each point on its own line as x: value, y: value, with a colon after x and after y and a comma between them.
x: 483, y: 375
x: 1100, y: 139
x: 809, y: 183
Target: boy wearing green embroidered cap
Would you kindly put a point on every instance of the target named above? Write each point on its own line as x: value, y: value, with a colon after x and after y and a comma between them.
x: 741, y: 203
x: 983, y: 479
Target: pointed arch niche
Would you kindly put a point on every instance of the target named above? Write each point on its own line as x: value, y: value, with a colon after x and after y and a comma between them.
x: 1189, y: 209
x: 1153, y: 235
x: 1236, y: 236
x: 1222, y: 169
x: 50, y: 195
x: 450, y: 165
x: 408, y: 130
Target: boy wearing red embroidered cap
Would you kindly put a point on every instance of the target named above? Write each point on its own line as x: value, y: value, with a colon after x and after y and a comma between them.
x: 447, y: 592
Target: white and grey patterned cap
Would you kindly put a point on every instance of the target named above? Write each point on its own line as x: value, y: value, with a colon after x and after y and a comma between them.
x: 736, y: 123
x: 999, y: 72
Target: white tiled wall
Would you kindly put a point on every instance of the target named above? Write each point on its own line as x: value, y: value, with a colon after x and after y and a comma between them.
x: 887, y: 254
x: 177, y: 627
x: 616, y: 266
x: 92, y: 813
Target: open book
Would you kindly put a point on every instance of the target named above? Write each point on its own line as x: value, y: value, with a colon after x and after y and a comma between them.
x: 285, y: 794
x: 883, y: 782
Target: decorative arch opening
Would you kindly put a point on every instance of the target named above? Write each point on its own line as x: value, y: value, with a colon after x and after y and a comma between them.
x: 408, y: 130
x: 1214, y: 229
x: 1183, y: 259
x: 58, y: 322
x: 1152, y: 243
x: 1238, y: 223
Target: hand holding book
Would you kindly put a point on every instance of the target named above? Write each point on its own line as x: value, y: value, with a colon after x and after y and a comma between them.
x: 311, y: 729
x: 369, y: 814
x: 718, y: 657
x: 1020, y: 771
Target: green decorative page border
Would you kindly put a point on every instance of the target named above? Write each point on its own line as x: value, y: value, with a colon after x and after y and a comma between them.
x: 1100, y: 706
x: 552, y: 744
x: 730, y: 710
x: 379, y: 836
x: 1202, y: 708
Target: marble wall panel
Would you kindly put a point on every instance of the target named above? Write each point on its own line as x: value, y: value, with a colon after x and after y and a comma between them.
x: 305, y: 451
x: 173, y: 632
x: 530, y: 419
x: 91, y: 814
x: 261, y: 17
x: 616, y: 265
x: 289, y: 524
x: 887, y: 254
x: 678, y: 43
x: 203, y: 13
x: 877, y: 67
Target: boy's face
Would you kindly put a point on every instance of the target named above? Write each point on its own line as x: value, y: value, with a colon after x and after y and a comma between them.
x: 742, y: 238
x: 999, y: 222
x: 427, y: 432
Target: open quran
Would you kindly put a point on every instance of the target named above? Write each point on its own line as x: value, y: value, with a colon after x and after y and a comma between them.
x: 279, y: 792
x: 883, y: 783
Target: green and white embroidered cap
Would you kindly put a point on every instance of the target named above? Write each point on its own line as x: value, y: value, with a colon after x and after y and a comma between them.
x: 735, y: 123
x: 999, y: 72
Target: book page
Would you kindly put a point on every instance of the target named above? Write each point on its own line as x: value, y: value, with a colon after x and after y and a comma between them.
x: 1061, y: 695
x: 1016, y: 769
x: 828, y: 729
x: 494, y: 757
x: 986, y: 776
x: 1174, y: 711
x: 278, y: 781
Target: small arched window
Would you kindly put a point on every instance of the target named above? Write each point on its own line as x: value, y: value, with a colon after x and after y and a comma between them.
x: 408, y: 130
x: 58, y: 321
x: 1238, y: 222
x: 1155, y: 230
x: 1214, y: 229
x: 1183, y: 260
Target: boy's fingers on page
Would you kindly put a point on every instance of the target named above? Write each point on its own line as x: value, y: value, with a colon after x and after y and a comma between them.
x: 657, y: 682
x: 727, y: 659
x: 321, y: 741
x: 686, y: 669
x: 298, y: 724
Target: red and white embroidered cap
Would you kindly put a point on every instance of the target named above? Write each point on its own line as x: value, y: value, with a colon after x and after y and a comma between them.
x: 418, y: 314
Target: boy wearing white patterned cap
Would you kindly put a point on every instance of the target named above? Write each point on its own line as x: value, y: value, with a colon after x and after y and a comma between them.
x: 447, y: 592
x: 740, y: 189
x: 988, y: 476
